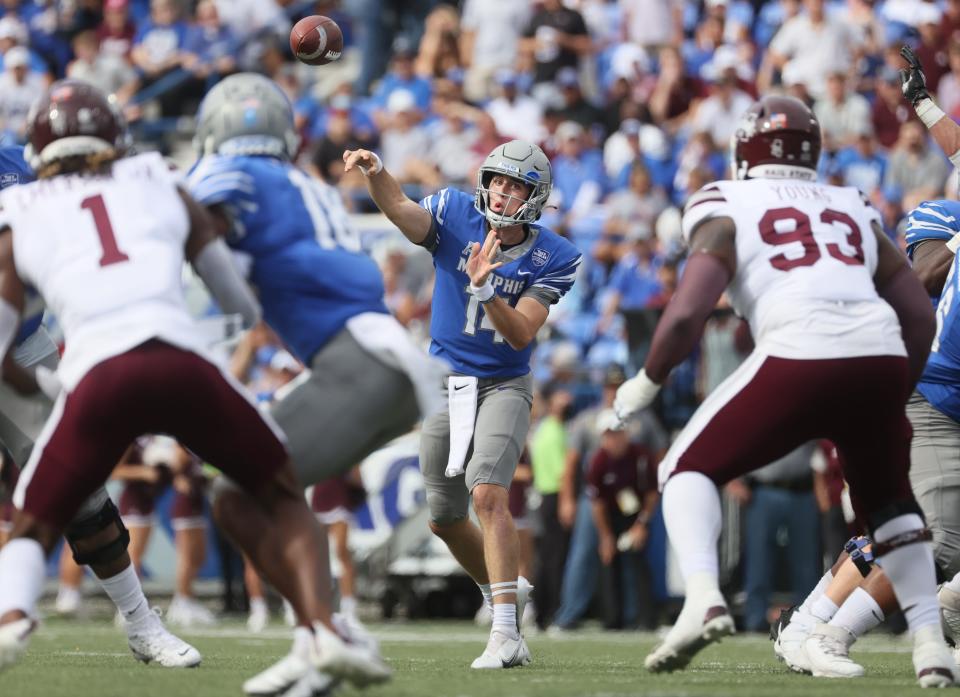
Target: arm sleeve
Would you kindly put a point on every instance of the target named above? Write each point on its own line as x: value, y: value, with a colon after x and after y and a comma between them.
x: 215, y: 266
x: 554, y: 283
x: 929, y: 221
x: 439, y: 206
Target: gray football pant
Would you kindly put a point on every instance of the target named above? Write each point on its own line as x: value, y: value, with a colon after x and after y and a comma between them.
x: 500, y: 432
x: 935, y: 478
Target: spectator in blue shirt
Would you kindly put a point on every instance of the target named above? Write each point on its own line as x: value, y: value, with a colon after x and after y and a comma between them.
x: 210, y: 45
x: 579, y: 179
x: 862, y: 165
x: 157, y: 51
x: 401, y: 76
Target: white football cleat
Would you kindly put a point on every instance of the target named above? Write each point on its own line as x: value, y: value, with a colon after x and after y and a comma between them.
x: 932, y: 660
x: 68, y: 601
x: 701, y: 623
x: 150, y: 641
x: 950, y: 613
x: 524, y: 590
x: 828, y: 650
x: 357, y: 661
x: 484, y: 616
x: 313, y: 684
x: 281, y: 676
x: 503, y: 652
x: 791, y: 630
x: 257, y: 620
x: 14, y: 639
x: 187, y: 612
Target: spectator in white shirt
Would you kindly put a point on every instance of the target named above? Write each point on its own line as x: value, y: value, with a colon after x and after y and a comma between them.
x: 19, y: 89
x: 516, y: 115
x: 490, y: 32
x: 840, y: 111
x: 720, y: 113
x: 811, y: 44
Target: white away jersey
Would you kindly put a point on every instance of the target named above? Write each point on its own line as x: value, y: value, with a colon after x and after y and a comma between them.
x: 106, y: 253
x: 806, y: 255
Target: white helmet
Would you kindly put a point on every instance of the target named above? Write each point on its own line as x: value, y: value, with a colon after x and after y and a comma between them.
x: 521, y: 160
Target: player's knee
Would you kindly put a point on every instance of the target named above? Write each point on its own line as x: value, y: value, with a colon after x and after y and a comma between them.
x: 446, y: 526
x: 99, y: 538
x: 908, y: 520
x: 489, y: 500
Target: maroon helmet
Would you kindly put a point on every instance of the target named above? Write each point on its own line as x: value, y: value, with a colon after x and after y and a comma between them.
x: 73, y: 119
x: 777, y: 137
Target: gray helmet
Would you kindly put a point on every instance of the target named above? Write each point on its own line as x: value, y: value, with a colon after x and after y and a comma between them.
x: 246, y: 114
x: 518, y: 159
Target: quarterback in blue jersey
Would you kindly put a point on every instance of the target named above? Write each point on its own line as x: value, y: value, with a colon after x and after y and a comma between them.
x: 497, y: 274
x: 96, y: 535
x: 368, y: 383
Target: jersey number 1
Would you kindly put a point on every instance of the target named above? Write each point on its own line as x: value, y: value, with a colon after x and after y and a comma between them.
x: 101, y: 220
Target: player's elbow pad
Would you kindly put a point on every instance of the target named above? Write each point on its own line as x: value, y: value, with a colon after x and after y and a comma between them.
x: 214, y: 264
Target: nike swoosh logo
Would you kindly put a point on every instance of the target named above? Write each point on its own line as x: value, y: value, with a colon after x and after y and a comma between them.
x: 509, y: 662
x: 458, y: 388
x: 184, y: 652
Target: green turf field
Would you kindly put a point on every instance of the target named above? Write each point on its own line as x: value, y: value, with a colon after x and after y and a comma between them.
x: 76, y: 659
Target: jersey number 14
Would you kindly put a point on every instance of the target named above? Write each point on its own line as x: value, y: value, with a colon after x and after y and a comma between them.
x: 477, y: 320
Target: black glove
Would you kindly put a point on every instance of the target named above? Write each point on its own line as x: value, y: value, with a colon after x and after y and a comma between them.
x: 912, y: 82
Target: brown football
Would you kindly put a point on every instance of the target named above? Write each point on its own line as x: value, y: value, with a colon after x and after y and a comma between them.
x: 316, y: 40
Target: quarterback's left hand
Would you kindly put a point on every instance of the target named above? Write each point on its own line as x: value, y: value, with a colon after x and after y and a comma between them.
x: 913, y: 84
x: 635, y: 394
x: 481, y: 262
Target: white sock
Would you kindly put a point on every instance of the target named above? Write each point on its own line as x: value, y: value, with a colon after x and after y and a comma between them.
x: 22, y: 569
x: 258, y: 606
x: 953, y: 584
x: 693, y: 536
x: 823, y: 608
x: 348, y: 605
x: 487, y: 595
x: 817, y: 591
x: 505, y: 619
x: 126, y: 593
x: 911, y: 572
x: 858, y: 614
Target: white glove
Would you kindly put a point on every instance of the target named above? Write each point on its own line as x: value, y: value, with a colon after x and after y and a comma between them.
x: 635, y: 394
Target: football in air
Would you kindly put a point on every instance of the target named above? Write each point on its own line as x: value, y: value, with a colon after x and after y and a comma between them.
x: 316, y: 40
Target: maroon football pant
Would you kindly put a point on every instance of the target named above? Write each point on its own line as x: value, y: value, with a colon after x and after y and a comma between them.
x: 153, y: 388
x: 772, y: 405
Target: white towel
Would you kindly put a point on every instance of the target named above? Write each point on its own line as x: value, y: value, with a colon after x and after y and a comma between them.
x: 384, y: 337
x: 462, y: 400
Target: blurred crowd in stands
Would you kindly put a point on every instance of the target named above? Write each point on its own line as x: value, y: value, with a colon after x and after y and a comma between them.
x: 634, y: 101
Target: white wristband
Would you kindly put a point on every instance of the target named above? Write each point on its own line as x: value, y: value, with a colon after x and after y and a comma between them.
x: 954, y: 243
x: 376, y: 168
x: 929, y: 112
x: 482, y: 293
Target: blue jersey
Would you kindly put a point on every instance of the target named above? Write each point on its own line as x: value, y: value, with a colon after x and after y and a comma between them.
x: 543, y: 266
x: 15, y: 170
x: 932, y: 220
x: 940, y: 382
x: 306, y: 259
